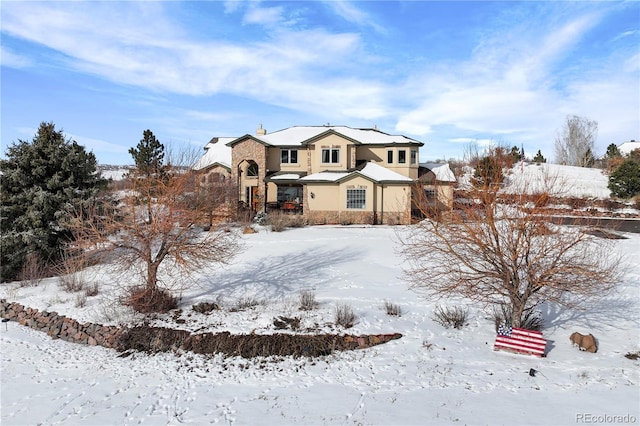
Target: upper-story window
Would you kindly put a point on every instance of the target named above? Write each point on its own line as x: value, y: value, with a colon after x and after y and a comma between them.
x: 389, y: 157
x: 402, y: 156
x: 331, y: 155
x: 414, y: 156
x: 289, y: 156
x: 252, y: 169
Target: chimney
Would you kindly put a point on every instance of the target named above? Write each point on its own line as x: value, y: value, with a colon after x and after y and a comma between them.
x: 261, y: 131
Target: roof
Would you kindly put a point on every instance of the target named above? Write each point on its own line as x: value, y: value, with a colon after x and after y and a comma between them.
x: 216, y: 152
x: 627, y: 147
x: 371, y: 171
x: 441, y: 171
x: 302, y: 135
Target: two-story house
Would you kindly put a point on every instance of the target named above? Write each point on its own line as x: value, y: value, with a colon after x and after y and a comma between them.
x: 331, y: 174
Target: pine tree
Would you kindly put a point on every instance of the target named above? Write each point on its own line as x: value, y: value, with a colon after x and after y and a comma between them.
x: 613, y: 151
x: 624, y: 182
x: 539, y: 158
x: 148, y: 156
x: 42, y: 181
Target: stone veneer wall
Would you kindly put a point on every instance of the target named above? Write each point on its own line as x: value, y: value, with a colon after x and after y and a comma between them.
x: 61, y: 327
x: 353, y: 217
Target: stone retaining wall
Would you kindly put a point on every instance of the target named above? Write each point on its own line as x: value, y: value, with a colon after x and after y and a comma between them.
x: 61, y: 327
x: 159, y: 339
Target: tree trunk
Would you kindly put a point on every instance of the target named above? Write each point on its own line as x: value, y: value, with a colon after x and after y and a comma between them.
x: 152, y: 275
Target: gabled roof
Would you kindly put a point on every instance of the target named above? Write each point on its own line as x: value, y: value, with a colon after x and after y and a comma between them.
x: 370, y: 171
x: 303, y: 135
x: 441, y: 171
x: 216, y: 151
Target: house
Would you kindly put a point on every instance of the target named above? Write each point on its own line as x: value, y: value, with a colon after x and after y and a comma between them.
x: 331, y: 174
x: 626, y: 147
x: 438, y: 182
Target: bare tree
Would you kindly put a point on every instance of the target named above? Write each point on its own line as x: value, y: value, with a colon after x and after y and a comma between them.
x: 161, y: 221
x: 499, y: 250
x: 575, y: 142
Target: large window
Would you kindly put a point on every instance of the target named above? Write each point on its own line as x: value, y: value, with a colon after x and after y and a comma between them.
x: 331, y: 155
x: 356, y: 198
x: 414, y: 156
x: 389, y: 157
x: 402, y: 156
x: 289, y: 156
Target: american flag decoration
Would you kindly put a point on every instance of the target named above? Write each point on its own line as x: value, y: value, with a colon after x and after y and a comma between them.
x: 520, y: 340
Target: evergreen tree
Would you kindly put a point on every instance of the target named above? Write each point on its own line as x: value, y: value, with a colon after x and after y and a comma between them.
x: 624, y: 182
x: 42, y: 181
x: 613, y: 151
x: 148, y: 156
x: 516, y: 154
x: 539, y: 158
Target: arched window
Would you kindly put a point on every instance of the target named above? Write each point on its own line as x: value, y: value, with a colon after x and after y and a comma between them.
x: 252, y: 169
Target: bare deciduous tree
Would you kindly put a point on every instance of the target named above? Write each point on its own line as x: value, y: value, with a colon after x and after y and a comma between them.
x: 161, y: 222
x: 500, y: 250
x: 575, y: 142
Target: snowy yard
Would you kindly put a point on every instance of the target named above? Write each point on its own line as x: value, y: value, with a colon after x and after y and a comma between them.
x: 431, y: 375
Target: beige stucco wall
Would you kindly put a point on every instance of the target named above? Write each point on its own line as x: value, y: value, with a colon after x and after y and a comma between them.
x: 378, y: 155
x: 331, y: 141
x: 241, y: 153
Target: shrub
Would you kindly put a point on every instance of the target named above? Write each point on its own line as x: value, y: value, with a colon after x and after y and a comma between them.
x: 147, y: 300
x: 33, y: 271
x: 308, y: 300
x: 345, y: 316
x: 69, y: 271
x: 624, y: 182
x: 283, y: 323
x: 447, y: 317
x: 392, y: 309
x: 81, y: 300
x: 280, y: 221
x: 92, y: 290
x: 245, y: 303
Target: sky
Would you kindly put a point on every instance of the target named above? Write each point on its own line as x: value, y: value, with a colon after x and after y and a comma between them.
x: 449, y: 74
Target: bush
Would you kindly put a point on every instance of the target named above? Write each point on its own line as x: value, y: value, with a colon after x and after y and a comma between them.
x: 245, y: 303
x: 624, y: 182
x: 447, y: 317
x: 147, y: 300
x: 280, y: 221
x: 206, y: 307
x: 92, y: 290
x: 33, y: 271
x: 308, y: 300
x: 345, y: 316
x: 392, y: 309
x: 81, y: 300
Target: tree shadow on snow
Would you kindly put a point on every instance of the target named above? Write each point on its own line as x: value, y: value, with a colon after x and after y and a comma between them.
x: 272, y: 277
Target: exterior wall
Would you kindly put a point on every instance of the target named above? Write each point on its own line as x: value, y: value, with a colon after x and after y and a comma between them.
x: 242, y: 152
x: 212, y: 175
x: 378, y: 155
x: 274, y: 158
x: 390, y: 204
x: 331, y: 141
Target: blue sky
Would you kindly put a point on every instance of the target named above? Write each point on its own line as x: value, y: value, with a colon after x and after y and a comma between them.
x: 445, y: 73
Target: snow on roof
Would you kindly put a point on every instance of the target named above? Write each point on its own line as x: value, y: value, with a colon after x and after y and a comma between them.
x: 626, y: 147
x: 441, y: 171
x: 286, y: 176
x: 325, y: 176
x: 371, y: 170
x: 296, y: 135
x: 216, y: 151
x: 379, y: 173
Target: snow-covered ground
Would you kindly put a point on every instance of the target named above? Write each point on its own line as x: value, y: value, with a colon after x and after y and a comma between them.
x: 431, y: 375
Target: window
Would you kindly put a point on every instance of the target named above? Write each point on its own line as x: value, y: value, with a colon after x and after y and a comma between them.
x: 430, y: 193
x: 356, y: 198
x: 289, y: 156
x: 414, y: 156
x: 331, y: 155
x: 402, y: 156
x: 252, y: 170
x: 389, y: 157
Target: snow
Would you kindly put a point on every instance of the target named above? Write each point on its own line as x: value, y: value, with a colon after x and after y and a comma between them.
x: 297, y: 135
x: 379, y: 174
x: 626, y: 147
x: 564, y: 181
x: 431, y: 375
x: 216, y: 151
x: 441, y: 171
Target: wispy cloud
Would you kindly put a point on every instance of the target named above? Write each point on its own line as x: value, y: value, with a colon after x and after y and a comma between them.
x: 350, y: 12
